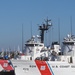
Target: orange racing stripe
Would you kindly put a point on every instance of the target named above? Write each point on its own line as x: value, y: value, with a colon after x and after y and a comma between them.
x: 43, y: 67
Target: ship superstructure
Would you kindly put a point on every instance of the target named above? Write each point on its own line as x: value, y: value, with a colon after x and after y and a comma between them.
x: 69, y: 45
x: 34, y: 47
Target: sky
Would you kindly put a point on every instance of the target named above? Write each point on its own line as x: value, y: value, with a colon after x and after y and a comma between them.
x: 15, y: 13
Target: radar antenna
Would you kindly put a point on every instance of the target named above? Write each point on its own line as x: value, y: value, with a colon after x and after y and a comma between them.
x: 44, y: 27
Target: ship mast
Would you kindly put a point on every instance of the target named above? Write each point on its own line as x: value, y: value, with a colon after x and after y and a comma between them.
x: 44, y: 28
x: 59, y: 29
x: 71, y: 24
x: 22, y: 38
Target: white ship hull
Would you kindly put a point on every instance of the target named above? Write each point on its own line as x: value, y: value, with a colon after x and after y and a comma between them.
x: 23, y: 67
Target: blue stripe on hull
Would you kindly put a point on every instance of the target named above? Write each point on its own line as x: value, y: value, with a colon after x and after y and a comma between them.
x: 50, y: 68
